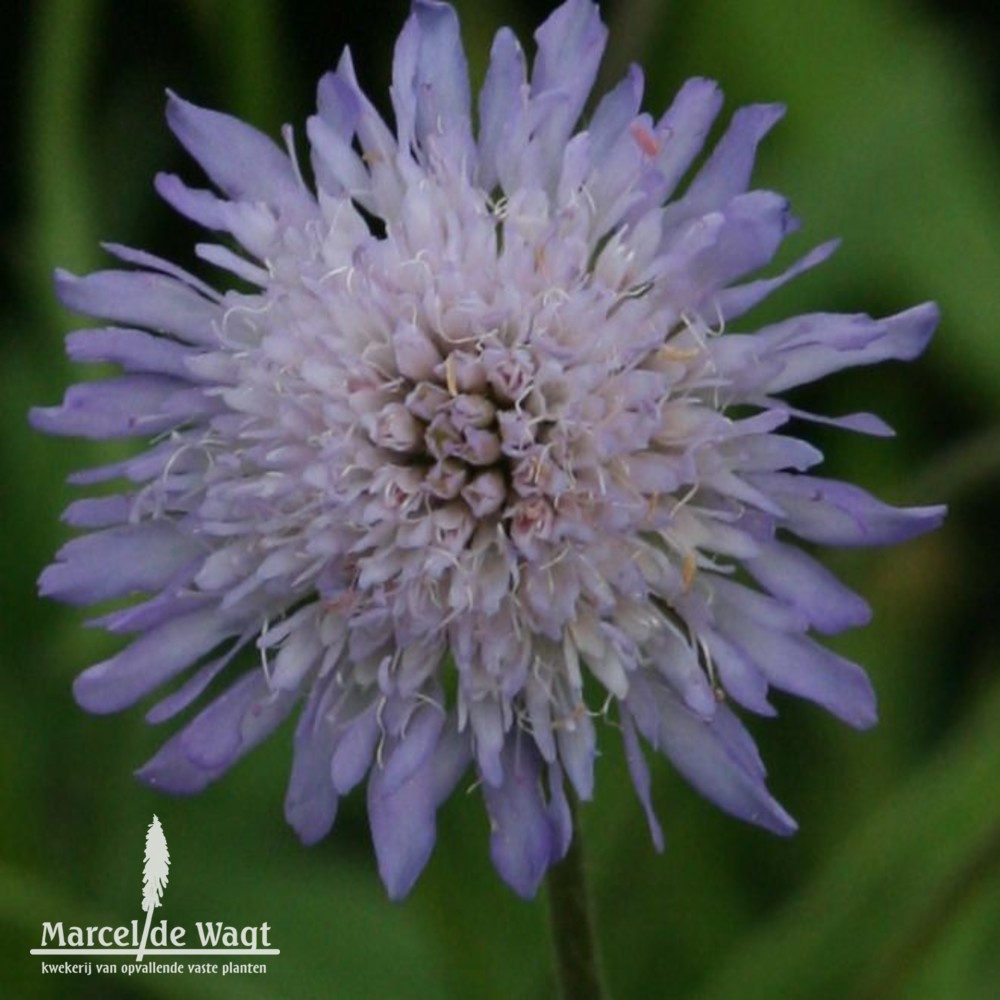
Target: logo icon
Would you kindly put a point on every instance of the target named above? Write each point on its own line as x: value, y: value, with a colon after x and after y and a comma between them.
x: 155, y: 873
x: 158, y: 938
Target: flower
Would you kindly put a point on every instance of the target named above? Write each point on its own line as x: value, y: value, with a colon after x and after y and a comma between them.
x: 473, y: 455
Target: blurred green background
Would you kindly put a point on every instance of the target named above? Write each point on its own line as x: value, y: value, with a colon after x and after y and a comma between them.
x: 892, y: 886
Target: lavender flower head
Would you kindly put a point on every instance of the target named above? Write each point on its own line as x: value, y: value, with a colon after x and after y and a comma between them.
x: 476, y: 457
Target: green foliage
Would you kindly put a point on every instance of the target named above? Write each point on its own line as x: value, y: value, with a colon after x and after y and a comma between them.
x: 891, y: 889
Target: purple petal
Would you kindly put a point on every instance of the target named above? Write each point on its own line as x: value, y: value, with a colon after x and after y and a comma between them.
x: 734, y: 302
x: 685, y: 126
x: 150, y: 262
x: 98, y: 512
x: 195, y: 686
x: 577, y: 752
x: 716, y: 755
x: 812, y: 346
x: 727, y: 171
x: 522, y: 840
x: 801, y: 582
x: 311, y: 802
x: 639, y: 772
x: 402, y: 810
x: 218, y: 737
x: 151, y: 660
x: 431, y: 82
x: 834, y: 513
x: 128, y: 406
x: 417, y: 743
x: 120, y: 561
x: 740, y: 678
x: 242, y: 162
x: 570, y: 45
x: 501, y: 102
x: 723, y: 246
x: 801, y: 667
x: 132, y: 350
x: 153, y: 301
x: 560, y: 814
x: 355, y: 749
x: 614, y: 114
x: 253, y: 225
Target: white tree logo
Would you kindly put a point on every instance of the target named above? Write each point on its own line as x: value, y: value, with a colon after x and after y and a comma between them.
x: 155, y: 872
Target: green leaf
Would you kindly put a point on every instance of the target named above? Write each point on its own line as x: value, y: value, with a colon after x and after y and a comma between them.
x: 872, y: 914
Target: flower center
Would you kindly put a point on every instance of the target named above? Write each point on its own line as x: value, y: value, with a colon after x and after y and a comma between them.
x: 466, y: 444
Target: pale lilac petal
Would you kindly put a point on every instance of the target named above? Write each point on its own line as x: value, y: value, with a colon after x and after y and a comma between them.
x: 355, y: 750
x: 726, y: 173
x: 403, y: 801
x: 120, y: 561
x: 740, y: 677
x: 253, y: 225
x: 859, y: 423
x: 577, y: 742
x: 522, y: 840
x: 724, y: 246
x: 172, y: 602
x: 433, y: 71
x: 379, y: 146
x: 501, y: 102
x: 311, y: 801
x: 800, y: 581
x: 98, y: 512
x: 403, y: 826
x: 153, y: 301
x: 570, y: 45
x: 139, y: 469
x: 615, y: 113
x: 734, y: 301
x: 152, y: 659
x: 338, y: 104
x: 242, y: 162
x: 341, y: 169
x: 685, y: 127
x: 803, y: 668
x: 127, y: 406
x: 416, y: 745
x: 132, y: 350
x: 218, y: 737
x: 811, y: 347
x: 638, y: 769
x: 713, y: 755
x: 149, y: 261
x: 834, y: 513
x: 189, y: 692
x: 560, y: 814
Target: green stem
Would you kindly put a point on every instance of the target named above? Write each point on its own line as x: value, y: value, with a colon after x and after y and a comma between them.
x: 571, y: 920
